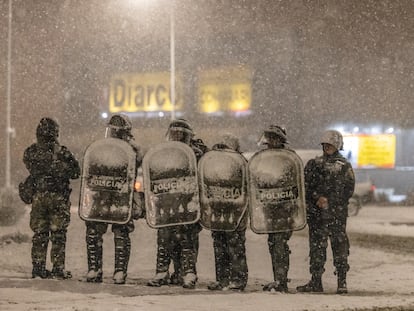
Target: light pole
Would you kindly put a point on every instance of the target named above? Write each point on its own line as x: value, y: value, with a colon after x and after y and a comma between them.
x: 11, y: 207
x: 172, y: 59
x: 9, y: 130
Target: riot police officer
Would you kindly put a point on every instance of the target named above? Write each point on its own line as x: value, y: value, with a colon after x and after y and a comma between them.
x: 119, y: 127
x: 178, y: 244
x: 275, y: 137
x: 51, y: 167
x: 229, y: 246
x: 329, y: 183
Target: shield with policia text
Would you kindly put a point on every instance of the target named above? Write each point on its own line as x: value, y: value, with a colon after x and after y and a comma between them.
x: 107, y: 183
x: 223, y: 189
x: 276, y: 191
x: 170, y: 185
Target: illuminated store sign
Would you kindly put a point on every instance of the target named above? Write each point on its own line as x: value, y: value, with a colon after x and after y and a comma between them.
x: 143, y: 92
x: 224, y: 89
x: 370, y: 151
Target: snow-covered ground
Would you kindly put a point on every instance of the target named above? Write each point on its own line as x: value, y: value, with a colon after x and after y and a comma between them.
x: 377, y: 278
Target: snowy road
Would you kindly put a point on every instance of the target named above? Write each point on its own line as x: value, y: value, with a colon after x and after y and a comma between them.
x: 380, y: 276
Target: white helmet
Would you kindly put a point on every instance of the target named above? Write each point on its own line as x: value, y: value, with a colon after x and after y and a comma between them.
x: 333, y: 138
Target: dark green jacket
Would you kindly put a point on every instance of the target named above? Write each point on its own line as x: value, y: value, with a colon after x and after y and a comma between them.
x: 331, y: 177
x: 51, y: 166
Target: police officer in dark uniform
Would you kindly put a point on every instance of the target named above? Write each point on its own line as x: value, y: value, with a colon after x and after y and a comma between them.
x: 179, y: 244
x: 51, y: 167
x: 229, y: 246
x: 329, y: 183
x: 275, y: 137
x: 119, y: 126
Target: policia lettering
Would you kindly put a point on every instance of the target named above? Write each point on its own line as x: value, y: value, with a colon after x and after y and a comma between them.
x: 277, y: 195
x: 106, y: 182
x: 232, y: 193
x: 174, y: 185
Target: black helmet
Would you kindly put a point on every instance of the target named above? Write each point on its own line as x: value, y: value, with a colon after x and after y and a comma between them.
x: 273, y: 132
x: 230, y: 141
x: 180, y: 130
x: 119, y: 126
x: 47, y: 130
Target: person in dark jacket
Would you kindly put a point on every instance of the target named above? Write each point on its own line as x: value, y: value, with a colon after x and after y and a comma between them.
x: 179, y: 244
x: 51, y: 167
x: 329, y: 184
x: 275, y: 137
x: 119, y: 127
x: 230, y: 246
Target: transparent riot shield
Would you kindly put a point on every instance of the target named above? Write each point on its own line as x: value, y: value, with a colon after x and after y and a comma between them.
x: 276, y: 191
x: 107, y: 182
x: 223, y: 190
x: 170, y: 185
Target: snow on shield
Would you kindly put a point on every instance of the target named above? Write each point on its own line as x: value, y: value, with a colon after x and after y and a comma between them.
x: 170, y: 185
x: 107, y: 183
x: 276, y: 191
x: 223, y: 190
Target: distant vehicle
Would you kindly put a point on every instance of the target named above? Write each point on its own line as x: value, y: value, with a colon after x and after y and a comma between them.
x: 364, y: 186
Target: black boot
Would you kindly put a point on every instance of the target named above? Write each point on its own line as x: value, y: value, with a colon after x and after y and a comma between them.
x: 160, y: 278
x: 94, y: 276
x: 122, y: 253
x: 40, y: 271
x: 61, y: 274
x: 277, y: 286
x: 313, y: 286
x: 94, y: 250
x: 342, y: 289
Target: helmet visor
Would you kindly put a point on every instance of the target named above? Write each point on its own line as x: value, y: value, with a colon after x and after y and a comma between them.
x: 270, y: 138
x: 179, y: 134
x: 117, y: 132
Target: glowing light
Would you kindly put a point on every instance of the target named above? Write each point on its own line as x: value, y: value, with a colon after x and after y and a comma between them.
x: 375, y: 130
x: 104, y: 115
x: 138, y: 186
x: 340, y: 129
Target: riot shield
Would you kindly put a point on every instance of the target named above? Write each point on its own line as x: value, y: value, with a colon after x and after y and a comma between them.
x: 170, y: 185
x: 107, y: 182
x: 223, y: 190
x: 276, y: 191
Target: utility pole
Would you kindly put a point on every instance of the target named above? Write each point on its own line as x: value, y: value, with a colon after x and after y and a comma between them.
x: 9, y: 130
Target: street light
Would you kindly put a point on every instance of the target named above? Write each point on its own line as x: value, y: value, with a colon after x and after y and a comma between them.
x: 9, y: 130
x: 172, y: 59
x: 11, y: 208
